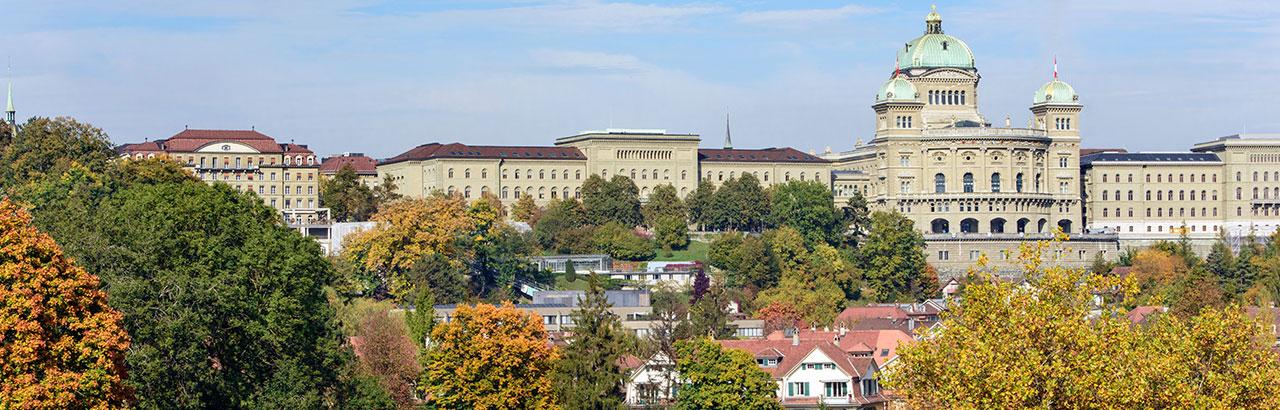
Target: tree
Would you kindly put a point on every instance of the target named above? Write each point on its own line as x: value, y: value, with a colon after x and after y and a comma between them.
x: 892, y: 257
x: 559, y: 217
x: 385, y: 193
x: 407, y: 232
x: 856, y: 217
x: 616, y: 200
x: 525, y: 210
x: 699, y: 201
x: 588, y: 376
x: 224, y: 303
x: 812, y: 288
x: 386, y: 352
x: 63, y: 346
x: 347, y: 197
x: 808, y: 207
x: 720, y: 378
x: 490, y: 357
x: 663, y: 204
x: 420, y: 319
x: 780, y: 316
x: 49, y: 147
x: 672, y: 233
x: 1040, y: 346
x: 709, y: 315
x: 623, y: 243
x: 740, y: 204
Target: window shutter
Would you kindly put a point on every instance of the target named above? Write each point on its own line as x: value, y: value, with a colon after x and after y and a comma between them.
x: 791, y: 389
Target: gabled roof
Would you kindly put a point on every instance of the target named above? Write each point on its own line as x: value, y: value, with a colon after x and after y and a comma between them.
x: 456, y: 150
x: 757, y: 155
x: 852, y: 315
x: 361, y: 164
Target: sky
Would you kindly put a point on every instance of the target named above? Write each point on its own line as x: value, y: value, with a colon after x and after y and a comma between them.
x: 381, y: 77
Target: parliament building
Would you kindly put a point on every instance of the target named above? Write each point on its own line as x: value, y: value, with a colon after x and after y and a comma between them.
x: 973, y: 188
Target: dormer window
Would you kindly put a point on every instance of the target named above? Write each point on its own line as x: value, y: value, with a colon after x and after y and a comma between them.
x: 944, y: 46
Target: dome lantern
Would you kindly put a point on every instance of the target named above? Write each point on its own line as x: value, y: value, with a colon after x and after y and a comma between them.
x: 934, y: 49
x: 933, y: 21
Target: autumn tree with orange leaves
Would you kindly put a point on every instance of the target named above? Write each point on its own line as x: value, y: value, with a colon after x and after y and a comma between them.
x: 490, y: 357
x: 61, y: 346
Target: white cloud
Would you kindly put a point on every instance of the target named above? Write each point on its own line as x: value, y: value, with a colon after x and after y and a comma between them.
x: 578, y: 14
x: 589, y: 60
x: 803, y: 16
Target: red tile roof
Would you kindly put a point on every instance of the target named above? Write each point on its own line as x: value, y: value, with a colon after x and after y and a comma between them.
x: 851, y: 315
x: 190, y: 140
x: 792, y: 355
x: 1142, y: 314
x: 456, y: 150
x: 757, y: 155
x: 361, y: 164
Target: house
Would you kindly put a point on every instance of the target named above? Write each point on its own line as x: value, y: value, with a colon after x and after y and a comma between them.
x: 824, y: 368
x: 903, y: 316
x: 652, y: 382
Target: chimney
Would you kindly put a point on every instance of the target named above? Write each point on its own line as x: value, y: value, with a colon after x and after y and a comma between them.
x: 795, y: 339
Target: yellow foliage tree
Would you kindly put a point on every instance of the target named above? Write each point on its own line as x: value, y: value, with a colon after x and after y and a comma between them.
x: 490, y: 357
x: 1049, y: 345
x: 61, y: 346
x: 408, y: 231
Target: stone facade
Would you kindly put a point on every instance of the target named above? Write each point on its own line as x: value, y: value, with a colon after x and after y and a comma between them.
x: 649, y: 157
x: 1229, y: 186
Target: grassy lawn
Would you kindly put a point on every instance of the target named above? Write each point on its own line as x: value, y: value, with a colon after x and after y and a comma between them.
x: 580, y: 284
x: 697, y: 251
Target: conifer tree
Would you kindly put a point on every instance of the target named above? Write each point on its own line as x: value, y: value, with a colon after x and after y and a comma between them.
x: 588, y: 376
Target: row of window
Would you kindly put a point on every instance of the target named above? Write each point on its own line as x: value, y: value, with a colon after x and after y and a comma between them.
x: 288, y: 189
x: 1204, y: 177
x: 288, y: 204
x: 948, y: 97
x: 234, y: 162
x: 1182, y: 195
x: 832, y: 389
x: 940, y: 183
x: 1204, y: 212
x: 1081, y: 254
x: 227, y: 176
x: 817, y: 176
x: 903, y: 121
x: 997, y: 225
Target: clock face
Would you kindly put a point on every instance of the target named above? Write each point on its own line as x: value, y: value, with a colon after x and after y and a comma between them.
x: 226, y: 147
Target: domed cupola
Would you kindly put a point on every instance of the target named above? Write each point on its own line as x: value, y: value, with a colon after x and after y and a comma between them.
x: 1056, y: 92
x: 935, y: 49
x: 897, y: 89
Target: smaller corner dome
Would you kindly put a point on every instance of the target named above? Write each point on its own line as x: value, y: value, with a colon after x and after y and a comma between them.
x: 1056, y: 92
x: 897, y: 89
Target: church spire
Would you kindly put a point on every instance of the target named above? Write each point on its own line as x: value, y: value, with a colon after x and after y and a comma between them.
x: 728, y: 137
x: 10, y: 115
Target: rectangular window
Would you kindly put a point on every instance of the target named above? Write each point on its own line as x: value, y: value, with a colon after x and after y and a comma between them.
x: 797, y: 389
x: 944, y: 255
x: 835, y: 389
x: 974, y: 255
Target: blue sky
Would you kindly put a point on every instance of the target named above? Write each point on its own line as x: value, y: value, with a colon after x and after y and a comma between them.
x: 381, y: 77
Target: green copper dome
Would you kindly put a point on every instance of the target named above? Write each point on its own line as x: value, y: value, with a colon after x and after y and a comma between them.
x: 935, y: 49
x: 1057, y: 92
x: 897, y: 89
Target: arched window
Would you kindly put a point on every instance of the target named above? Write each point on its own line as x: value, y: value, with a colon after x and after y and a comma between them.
x: 995, y: 182
x: 466, y: 192
x: 1131, y: 195
x: 504, y: 192
x: 466, y: 173
x: 968, y: 182
x: 939, y: 183
x: 450, y: 170
x: 684, y: 175
x: 1018, y: 182
x: 1104, y: 195
x: 484, y: 173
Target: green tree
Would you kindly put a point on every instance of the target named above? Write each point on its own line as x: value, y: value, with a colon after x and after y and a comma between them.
x: 709, y: 314
x: 892, y: 257
x: 385, y: 193
x: 616, y: 200
x: 814, y: 288
x: 559, y: 217
x: 720, y: 378
x: 740, y: 204
x: 420, y: 318
x: 63, y: 346
x: 222, y: 300
x: 347, y: 197
x: 807, y: 206
x: 490, y: 357
x: 663, y: 204
x: 50, y: 147
x: 623, y: 243
x: 856, y: 217
x: 698, y: 201
x: 672, y: 233
x: 588, y: 376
